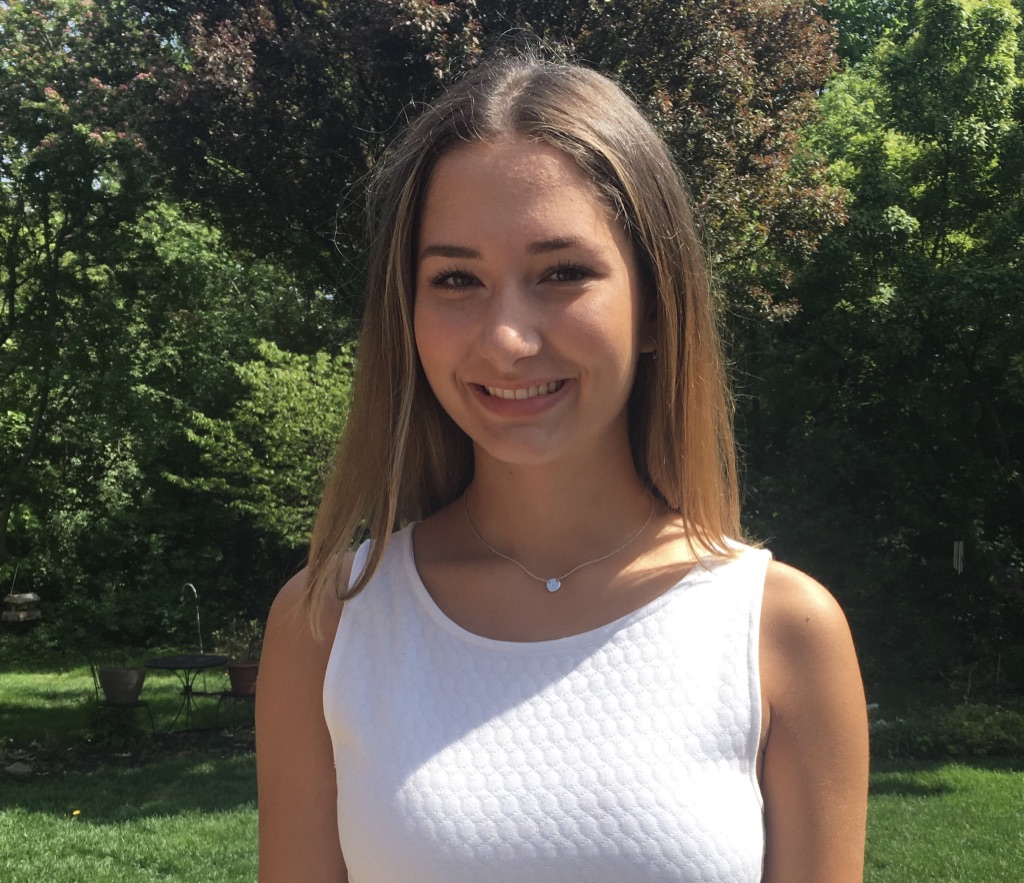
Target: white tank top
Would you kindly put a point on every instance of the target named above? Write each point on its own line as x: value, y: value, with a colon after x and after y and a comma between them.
x: 622, y: 755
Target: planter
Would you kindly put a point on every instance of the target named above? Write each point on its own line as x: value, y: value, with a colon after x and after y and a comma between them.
x: 243, y: 677
x: 122, y: 686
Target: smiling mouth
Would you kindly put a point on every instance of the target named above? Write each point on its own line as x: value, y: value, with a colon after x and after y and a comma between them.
x: 526, y: 392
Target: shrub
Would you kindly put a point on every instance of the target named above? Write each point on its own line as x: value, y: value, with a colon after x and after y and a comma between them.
x: 963, y: 732
x: 241, y: 640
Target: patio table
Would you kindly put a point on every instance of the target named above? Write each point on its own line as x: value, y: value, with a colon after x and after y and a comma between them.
x: 186, y: 666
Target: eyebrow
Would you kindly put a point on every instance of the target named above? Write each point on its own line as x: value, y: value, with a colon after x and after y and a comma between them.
x: 449, y: 251
x: 541, y: 246
x: 557, y: 244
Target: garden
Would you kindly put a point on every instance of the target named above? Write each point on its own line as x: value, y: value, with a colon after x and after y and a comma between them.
x: 103, y: 790
x: 93, y: 794
x: 181, y: 278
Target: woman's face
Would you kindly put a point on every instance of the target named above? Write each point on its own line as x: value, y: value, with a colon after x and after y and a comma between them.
x: 528, y: 304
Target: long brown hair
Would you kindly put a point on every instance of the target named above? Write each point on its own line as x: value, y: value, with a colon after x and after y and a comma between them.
x: 401, y: 457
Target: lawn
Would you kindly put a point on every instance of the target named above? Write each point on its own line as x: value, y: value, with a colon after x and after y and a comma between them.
x: 946, y: 822
x: 60, y: 705
x: 133, y: 808
x: 188, y: 818
x: 182, y: 807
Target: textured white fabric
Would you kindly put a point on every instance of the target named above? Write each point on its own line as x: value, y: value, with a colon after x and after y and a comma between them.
x: 625, y: 754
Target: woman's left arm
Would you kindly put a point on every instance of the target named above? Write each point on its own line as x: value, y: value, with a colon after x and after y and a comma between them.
x: 814, y: 775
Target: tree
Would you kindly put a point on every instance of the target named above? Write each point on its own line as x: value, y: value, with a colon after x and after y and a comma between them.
x: 72, y: 172
x: 283, y: 107
x: 892, y: 404
x: 122, y: 322
x: 276, y: 116
x: 863, y: 24
x: 185, y: 455
x: 267, y: 458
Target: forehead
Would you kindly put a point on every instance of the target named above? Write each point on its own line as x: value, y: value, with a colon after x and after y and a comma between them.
x: 517, y: 157
x: 515, y: 182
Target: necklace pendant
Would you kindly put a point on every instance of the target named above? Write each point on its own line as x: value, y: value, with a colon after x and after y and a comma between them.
x: 553, y: 584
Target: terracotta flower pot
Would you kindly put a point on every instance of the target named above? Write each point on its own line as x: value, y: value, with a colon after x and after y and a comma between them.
x: 122, y: 686
x: 243, y: 677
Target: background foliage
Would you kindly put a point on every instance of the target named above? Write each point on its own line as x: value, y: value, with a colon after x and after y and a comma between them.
x: 181, y: 255
x: 885, y: 419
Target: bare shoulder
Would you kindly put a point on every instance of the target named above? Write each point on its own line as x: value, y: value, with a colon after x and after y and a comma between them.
x: 294, y: 658
x: 799, y: 615
x: 815, y: 769
x: 808, y: 661
x: 288, y: 612
x: 298, y: 836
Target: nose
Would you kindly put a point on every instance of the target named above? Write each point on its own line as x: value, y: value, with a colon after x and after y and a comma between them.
x: 510, y: 329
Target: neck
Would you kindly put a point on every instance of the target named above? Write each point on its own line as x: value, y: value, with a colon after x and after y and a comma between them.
x: 552, y: 518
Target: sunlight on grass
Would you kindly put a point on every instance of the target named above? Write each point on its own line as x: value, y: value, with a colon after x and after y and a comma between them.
x: 946, y: 823
x: 191, y: 816
x: 176, y: 819
x: 212, y: 847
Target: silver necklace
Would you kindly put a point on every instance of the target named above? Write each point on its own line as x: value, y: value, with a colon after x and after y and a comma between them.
x: 554, y: 583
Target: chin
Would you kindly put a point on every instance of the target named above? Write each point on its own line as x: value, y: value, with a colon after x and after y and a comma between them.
x: 518, y: 452
x: 517, y: 455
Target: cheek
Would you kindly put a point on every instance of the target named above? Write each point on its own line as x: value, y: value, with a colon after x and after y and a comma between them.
x: 435, y: 341
x: 422, y: 323
x: 611, y: 327
x: 419, y: 331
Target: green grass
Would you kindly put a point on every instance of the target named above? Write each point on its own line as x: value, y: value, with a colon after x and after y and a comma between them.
x: 61, y: 705
x: 946, y: 822
x: 195, y: 819
x: 175, y: 809
x: 181, y: 818
x: 142, y: 809
x: 34, y: 704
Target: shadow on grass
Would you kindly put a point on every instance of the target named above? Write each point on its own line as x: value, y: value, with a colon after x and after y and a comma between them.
x: 999, y: 764
x: 900, y: 787
x: 66, y: 714
x: 66, y: 723
x: 934, y: 778
x: 114, y: 794
x: 995, y: 764
x: 23, y: 723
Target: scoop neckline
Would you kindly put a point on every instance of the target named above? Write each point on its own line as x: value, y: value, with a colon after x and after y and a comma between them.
x: 705, y: 567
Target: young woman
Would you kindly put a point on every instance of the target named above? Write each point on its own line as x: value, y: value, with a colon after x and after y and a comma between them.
x: 554, y: 660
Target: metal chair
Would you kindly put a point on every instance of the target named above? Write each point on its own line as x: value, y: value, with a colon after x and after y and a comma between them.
x: 234, y: 698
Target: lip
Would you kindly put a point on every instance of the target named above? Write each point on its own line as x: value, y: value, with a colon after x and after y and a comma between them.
x: 520, y: 407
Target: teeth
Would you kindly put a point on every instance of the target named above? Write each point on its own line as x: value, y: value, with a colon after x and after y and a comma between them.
x: 525, y: 392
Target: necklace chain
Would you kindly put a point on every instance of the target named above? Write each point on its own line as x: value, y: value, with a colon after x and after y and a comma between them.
x: 554, y: 583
